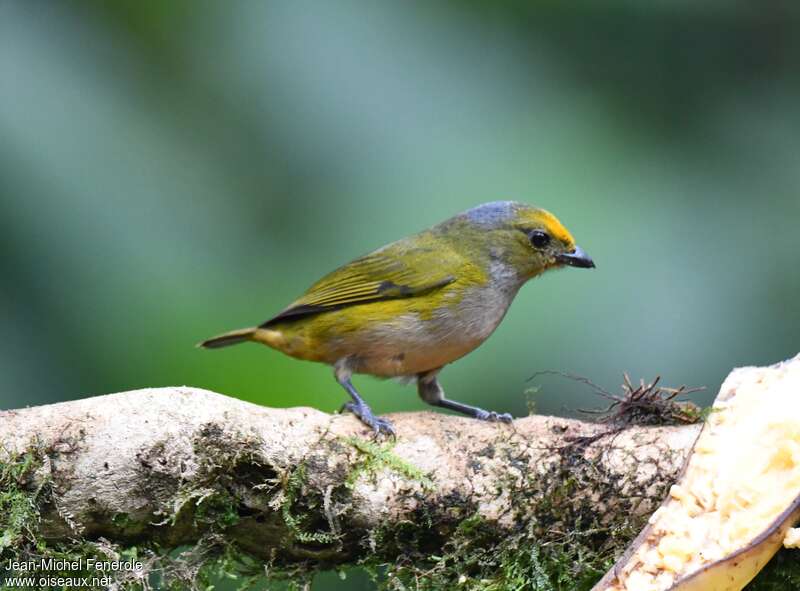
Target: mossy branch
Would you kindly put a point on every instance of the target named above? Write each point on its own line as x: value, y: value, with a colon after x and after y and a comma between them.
x: 292, y: 491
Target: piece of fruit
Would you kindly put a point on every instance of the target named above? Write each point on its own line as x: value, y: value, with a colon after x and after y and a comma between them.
x: 737, y: 498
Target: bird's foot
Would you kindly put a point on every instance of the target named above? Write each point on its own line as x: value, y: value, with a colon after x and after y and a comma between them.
x: 364, y: 413
x: 493, y: 417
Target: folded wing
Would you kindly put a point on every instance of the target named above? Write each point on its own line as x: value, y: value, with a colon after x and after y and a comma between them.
x: 395, y: 271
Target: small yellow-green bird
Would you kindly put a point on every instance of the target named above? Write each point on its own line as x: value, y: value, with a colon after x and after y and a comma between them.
x: 415, y: 305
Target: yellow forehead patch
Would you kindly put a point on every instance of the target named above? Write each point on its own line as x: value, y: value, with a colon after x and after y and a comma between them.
x: 548, y: 222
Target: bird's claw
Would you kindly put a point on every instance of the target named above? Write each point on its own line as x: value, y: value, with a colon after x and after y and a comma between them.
x: 378, y: 425
x: 494, y: 417
x: 383, y: 427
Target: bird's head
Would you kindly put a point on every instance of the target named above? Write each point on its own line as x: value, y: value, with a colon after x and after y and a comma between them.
x: 516, y: 238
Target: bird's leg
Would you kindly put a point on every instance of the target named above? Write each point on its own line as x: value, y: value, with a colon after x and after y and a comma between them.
x: 358, y: 407
x: 431, y: 392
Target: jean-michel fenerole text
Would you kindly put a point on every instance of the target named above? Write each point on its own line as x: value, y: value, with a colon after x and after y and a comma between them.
x: 77, y: 566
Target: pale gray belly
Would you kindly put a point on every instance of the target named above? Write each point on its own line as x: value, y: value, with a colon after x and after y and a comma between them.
x: 413, y: 343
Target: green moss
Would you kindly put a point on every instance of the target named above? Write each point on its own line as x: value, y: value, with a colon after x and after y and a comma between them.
x: 122, y: 520
x: 20, y: 497
x: 24, y: 489
x: 481, y: 556
x: 782, y: 573
x: 375, y: 458
x: 297, y: 523
x: 558, y: 540
x: 27, y: 487
x: 217, y: 510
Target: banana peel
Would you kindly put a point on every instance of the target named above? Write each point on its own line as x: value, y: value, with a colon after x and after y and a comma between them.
x: 736, y: 499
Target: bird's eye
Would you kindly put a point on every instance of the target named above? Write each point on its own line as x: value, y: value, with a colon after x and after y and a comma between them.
x: 540, y: 239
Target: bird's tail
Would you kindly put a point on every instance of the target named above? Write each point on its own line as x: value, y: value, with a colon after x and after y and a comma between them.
x: 267, y: 336
x: 233, y: 337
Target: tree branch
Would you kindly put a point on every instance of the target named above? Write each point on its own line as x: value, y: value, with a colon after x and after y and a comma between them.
x: 299, y: 487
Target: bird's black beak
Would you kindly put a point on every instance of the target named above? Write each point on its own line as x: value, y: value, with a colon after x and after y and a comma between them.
x: 576, y: 258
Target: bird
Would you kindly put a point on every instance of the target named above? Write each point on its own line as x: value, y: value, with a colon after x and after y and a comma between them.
x: 415, y: 305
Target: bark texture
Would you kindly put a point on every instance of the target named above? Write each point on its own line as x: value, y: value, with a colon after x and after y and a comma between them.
x: 298, y: 486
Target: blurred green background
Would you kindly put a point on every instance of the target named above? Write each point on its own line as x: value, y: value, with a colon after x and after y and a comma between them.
x: 170, y: 170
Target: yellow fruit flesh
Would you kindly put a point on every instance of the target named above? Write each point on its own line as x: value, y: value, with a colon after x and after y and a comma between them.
x: 737, y: 497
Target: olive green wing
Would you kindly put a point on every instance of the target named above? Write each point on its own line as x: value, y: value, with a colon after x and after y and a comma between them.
x: 398, y: 270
